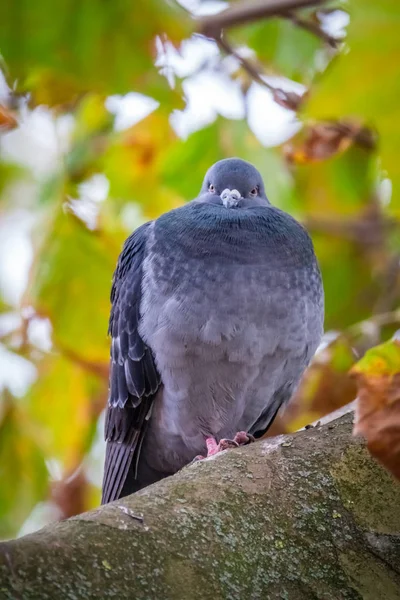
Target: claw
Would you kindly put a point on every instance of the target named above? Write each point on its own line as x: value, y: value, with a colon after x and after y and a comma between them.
x: 242, y: 438
x: 225, y: 444
x: 197, y: 458
x: 213, y: 447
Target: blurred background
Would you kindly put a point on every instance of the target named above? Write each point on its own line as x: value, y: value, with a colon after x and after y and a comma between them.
x: 110, y: 113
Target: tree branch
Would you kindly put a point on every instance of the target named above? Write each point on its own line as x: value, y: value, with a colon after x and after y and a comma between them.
x: 240, y: 13
x: 310, y: 515
x: 289, y: 100
x: 246, y: 12
x: 248, y: 66
x: 313, y: 28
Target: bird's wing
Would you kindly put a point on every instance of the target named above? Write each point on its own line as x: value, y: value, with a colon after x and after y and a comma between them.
x: 134, y: 379
x: 267, y: 417
x: 284, y: 393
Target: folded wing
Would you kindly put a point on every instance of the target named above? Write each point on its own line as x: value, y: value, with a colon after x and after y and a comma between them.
x: 134, y: 379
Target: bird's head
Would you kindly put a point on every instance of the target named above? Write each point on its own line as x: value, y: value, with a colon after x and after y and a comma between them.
x: 234, y: 183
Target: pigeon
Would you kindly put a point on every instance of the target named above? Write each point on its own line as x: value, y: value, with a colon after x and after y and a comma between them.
x: 217, y: 309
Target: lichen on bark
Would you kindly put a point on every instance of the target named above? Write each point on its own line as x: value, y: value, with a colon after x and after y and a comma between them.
x: 301, y: 517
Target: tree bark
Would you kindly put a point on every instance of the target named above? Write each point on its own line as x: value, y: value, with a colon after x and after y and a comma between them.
x: 301, y: 517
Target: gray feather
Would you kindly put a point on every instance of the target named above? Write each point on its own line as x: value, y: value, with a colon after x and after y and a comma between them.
x: 227, y: 317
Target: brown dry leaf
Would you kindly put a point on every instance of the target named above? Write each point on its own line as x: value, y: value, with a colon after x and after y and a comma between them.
x: 69, y: 494
x: 323, y: 140
x: 378, y: 414
x: 8, y: 118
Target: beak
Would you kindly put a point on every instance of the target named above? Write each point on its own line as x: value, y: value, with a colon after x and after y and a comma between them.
x: 230, y: 198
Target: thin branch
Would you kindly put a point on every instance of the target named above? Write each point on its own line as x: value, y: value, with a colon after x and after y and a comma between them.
x: 238, y: 14
x: 389, y: 318
x: 247, y: 12
x: 247, y: 66
x: 364, y: 230
x: 313, y: 28
x: 289, y: 100
x: 390, y: 285
x: 97, y: 368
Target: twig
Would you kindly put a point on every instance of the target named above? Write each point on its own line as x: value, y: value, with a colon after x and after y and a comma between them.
x: 363, y: 230
x: 381, y: 320
x: 245, y: 64
x: 390, y: 286
x: 246, y: 12
x: 313, y: 28
x: 97, y: 368
x: 368, y: 333
x: 289, y: 100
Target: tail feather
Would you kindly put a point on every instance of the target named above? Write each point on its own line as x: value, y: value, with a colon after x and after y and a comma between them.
x: 119, y: 457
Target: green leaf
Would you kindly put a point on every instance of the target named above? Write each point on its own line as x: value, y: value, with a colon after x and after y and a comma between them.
x: 363, y: 82
x: 63, y: 407
x: 109, y: 47
x: 132, y: 164
x: 339, y: 186
x: 186, y: 162
x: 284, y: 48
x: 71, y: 285
x: 23, y: 472
x: 381, y: 361
x: 335, y: 192
x: 352, y: 287
x: 9, y: 173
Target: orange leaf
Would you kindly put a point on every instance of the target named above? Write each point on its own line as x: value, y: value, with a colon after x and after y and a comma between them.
x: 8, y: 119
x: 323, y: 140
x: 378, y: 413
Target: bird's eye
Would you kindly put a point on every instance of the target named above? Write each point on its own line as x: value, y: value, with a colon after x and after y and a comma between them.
x: 211, y: 188
x: 254, y: 191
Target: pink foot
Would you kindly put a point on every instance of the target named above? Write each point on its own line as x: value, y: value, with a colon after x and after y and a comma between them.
x: 242, y: 438
x: 197, y: 458
x: 213, y: 447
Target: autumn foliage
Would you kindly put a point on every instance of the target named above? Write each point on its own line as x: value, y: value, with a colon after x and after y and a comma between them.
x: 378, y: 409
x: 82, y: 180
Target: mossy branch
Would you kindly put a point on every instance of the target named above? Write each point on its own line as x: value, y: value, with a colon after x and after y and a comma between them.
x: 301, y: 517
